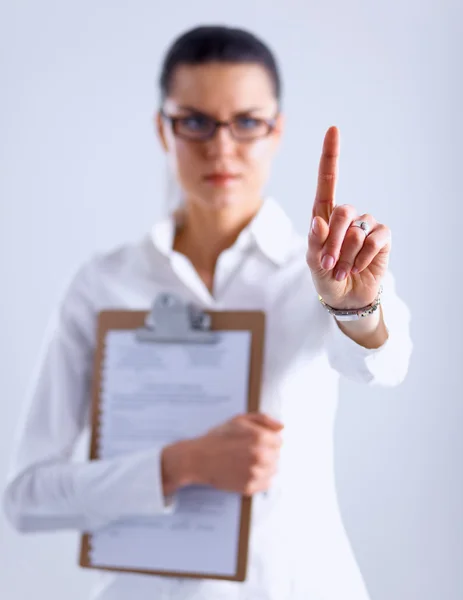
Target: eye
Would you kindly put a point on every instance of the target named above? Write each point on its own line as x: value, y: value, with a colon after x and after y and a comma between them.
x: 247, y: 123
x: 195, y: 123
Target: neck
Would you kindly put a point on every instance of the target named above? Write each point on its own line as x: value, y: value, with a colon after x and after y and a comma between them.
x: 204, y: 233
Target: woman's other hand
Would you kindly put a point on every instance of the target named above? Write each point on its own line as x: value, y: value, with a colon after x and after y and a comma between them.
x: 240, y: 456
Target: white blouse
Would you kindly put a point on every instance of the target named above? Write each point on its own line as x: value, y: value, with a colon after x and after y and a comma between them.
x: 298, y: 546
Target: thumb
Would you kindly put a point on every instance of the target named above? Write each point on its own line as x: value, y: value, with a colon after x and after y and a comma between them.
x: 265, y: 421
x: 317, y: 237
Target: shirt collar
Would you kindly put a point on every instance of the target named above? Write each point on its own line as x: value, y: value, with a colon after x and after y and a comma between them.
x: 271, y: 231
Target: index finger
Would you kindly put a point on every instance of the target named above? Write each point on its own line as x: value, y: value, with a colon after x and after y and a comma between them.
x: 327, y: 176
x: 265, y: 420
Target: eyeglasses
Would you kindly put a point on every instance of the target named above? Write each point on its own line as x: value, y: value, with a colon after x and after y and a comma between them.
x: 198, y: 127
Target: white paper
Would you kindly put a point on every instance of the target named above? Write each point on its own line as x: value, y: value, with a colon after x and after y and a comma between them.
x: 153, y: 394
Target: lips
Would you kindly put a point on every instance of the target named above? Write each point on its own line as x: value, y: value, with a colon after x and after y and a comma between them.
x: 221, y: 177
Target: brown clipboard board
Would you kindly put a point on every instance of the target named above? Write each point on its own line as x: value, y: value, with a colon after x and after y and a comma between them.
x: 252, y: 321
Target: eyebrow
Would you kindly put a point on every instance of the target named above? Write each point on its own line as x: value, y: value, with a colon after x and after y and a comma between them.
x: 236, y: 114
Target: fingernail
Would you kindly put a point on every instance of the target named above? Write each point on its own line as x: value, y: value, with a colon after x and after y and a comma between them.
x: 315, y: 226
x: 340, y: 275
x: 354, y: 270
x: 327, y: 262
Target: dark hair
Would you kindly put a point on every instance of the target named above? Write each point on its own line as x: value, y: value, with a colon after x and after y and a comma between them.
x: 207, y: 44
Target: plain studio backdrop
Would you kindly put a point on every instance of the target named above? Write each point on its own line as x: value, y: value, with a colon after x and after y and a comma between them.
x: 81, y: 172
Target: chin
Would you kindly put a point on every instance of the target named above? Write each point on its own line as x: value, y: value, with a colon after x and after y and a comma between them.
x: 221, y: 199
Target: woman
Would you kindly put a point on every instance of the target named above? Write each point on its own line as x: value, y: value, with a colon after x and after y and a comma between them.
x: 226, y: 247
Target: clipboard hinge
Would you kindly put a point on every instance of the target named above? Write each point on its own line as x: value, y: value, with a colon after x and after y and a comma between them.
x: 173, y: 321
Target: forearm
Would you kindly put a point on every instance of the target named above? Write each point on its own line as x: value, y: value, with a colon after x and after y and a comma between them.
x: 85, y: 496
x: 369, y: 332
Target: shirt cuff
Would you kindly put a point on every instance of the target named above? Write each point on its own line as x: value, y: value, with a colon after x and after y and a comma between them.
x: 129, y: 486
x: 386, y: 365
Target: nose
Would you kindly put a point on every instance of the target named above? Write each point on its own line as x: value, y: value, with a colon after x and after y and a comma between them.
x: 222, y: 144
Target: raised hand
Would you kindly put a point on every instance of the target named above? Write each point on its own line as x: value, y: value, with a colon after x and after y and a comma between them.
x: 348, y: 254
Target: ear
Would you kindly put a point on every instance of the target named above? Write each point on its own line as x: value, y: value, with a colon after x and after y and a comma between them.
x: 279, y: 126
x: 277, y: 132
x: 161, y: 131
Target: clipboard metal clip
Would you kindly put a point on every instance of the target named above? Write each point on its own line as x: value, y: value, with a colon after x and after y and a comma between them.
x: 172, y: 321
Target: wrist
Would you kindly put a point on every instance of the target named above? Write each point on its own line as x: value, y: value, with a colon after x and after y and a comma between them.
x: 349, y: 313
x: 366, y: 324
x: 370, y: 331
x: 178, y: 466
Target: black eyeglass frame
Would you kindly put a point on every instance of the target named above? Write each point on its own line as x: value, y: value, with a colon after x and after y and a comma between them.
x: 173, y: 120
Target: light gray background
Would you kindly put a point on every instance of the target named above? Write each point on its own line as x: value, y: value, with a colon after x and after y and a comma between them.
x: 80, y: 171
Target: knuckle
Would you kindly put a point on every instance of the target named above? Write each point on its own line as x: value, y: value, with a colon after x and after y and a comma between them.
x: 361, y: 261
x: 356, y: 235
x: 250, y: 478
x: 332, y: 247
x: 248, y: 489
x: 385, y: 232
x: 373, y: 244
x: 237, y: 421
x: 257, y: 455
x: 327, y: 176
x: 311, y: 256
x: 252, y: 454
x: 331, y: 153
x: 262, y: 437
x: 344, y: 264
x: 385, y: 228
x: 344, y: 211
x: 367, y: 217
x: 254, y: 436
x: 254, y: 472
x: 241, y: 418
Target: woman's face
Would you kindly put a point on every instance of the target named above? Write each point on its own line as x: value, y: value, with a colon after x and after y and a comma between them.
x: 221, y: 171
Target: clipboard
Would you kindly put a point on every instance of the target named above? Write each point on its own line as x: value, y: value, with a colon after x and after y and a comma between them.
x: 172, y: 321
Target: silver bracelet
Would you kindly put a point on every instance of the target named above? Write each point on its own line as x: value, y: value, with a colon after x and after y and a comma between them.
x: 353, y: 314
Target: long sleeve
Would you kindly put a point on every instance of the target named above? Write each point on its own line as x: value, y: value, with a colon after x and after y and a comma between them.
x: 387, y: 365
x: 46, y: 490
